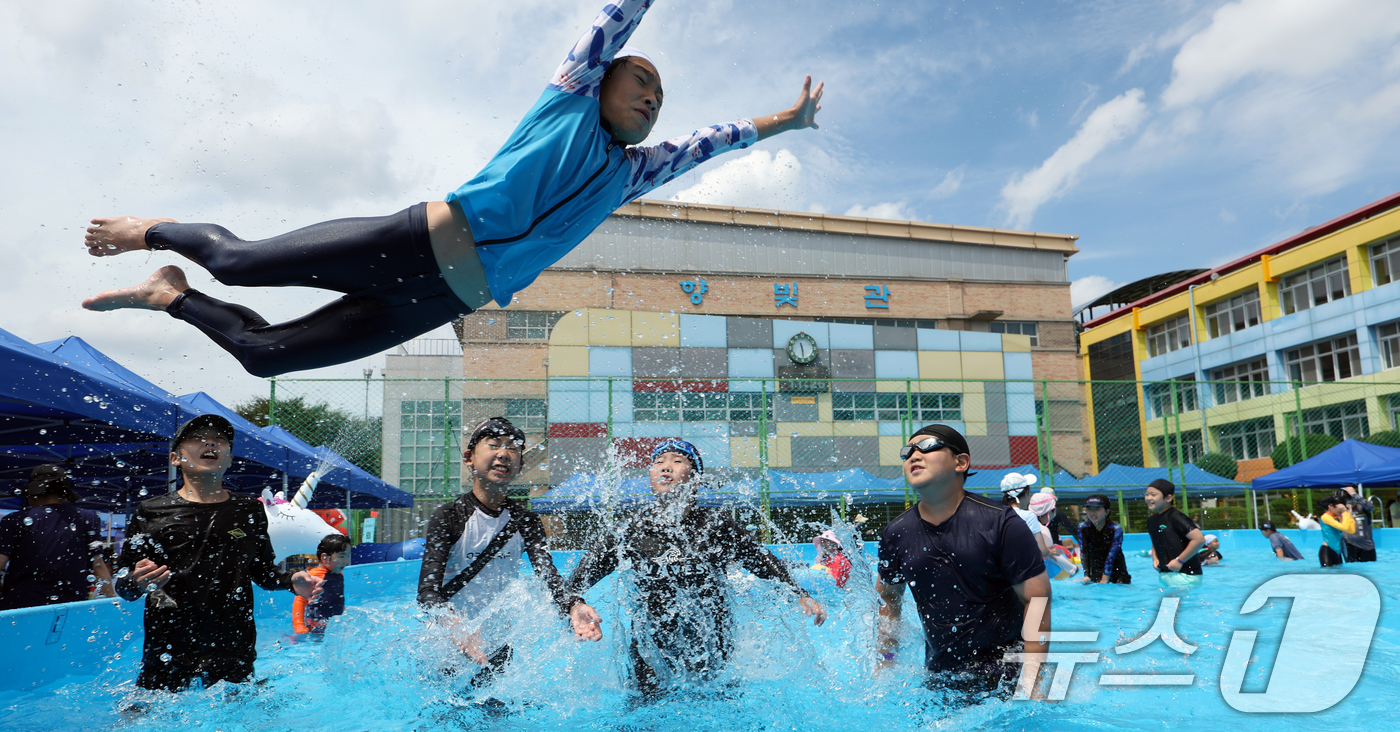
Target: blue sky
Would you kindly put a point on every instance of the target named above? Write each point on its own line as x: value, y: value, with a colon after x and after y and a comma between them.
x: 1167, y: 134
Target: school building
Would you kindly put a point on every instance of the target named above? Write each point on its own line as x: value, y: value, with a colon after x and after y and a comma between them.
x: 1302, y: 334
x: 683, y: 319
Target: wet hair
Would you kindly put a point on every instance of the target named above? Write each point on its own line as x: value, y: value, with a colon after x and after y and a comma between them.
x: 1330, y: 501
x: 333, y: 544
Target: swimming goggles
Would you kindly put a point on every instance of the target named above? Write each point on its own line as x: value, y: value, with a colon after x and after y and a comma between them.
x: 926, y: 445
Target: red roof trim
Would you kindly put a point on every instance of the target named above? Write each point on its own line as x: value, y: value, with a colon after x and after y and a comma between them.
x: 1316, y: 232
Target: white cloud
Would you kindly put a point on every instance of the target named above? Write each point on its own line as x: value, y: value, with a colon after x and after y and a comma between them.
x: 758, y: 180
x: 1109, y: 123
x: 950, y: 184
x: 891, y: 211
x: 1297, y: 39
x: 1090, y: 288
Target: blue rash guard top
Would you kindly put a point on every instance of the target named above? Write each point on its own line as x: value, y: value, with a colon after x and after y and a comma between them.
x: 561, y: 174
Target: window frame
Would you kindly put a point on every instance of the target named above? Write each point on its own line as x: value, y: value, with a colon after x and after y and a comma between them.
x: 1239, y: 311
x: 1308, y: 280
x: 1175, y: 330
x: 1385, y: 258
x: 536, y: 326
x: 1017, y: 327
x: 1295, y: 360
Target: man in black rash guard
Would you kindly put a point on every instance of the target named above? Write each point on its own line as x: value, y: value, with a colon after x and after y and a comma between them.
x: 973, y: 568
x: 195, y: 553
x: 1175, y: 537
x: 679, y: 553
x: 461, y: 531
x: 1101, y: 544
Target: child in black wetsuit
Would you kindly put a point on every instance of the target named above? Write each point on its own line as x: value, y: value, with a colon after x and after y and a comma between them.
x: 1175, y: 537
x: 1101, y: 544
x: 679, y: 554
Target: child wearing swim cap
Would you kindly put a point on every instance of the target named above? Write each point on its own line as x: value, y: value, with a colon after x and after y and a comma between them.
x: 573, y: 160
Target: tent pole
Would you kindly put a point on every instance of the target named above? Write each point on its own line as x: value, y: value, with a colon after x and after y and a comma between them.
x: 1254, y: 503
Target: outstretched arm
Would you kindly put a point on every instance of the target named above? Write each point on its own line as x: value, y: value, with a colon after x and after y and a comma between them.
x: 800, y: 115
x: 582, y: 71
x: 658, y: 165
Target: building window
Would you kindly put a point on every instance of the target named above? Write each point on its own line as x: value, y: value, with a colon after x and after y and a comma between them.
x: 1388, y: 338
x: 1233, y: 314
x: 1342, y: 421
x: 1162, y: 400
x: 1315, y: 286
x: 1168, y: 336
x: 1241, y: 381
x: 855, y: 407
x: 889, y: 322
x: 1330, y: 360
x: 717, y: 406
x: 526, y: 326
x: 531, y: 415
x: 1165, y: 448
x: 1385, y: 262
x: 1394, y: 411
x: 1013, y: 327
x: 1247, y: 440
x: 429, y: 443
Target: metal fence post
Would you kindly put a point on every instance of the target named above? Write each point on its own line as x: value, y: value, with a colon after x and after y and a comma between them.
x: 1042, y: 435
x: 446, y: 436
x: 272, y: 401
x: 763, y: 487
x: 908, y: 419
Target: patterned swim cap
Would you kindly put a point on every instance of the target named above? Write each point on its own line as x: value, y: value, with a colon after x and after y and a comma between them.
x: 680, y: 447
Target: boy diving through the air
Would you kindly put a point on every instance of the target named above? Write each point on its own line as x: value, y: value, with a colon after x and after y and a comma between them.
x: 568, y: 165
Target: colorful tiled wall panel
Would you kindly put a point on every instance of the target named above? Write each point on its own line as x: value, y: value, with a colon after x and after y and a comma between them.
x: 641, y: 377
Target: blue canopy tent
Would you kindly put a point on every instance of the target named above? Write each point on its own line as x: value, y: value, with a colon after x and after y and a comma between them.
x: 56, y: 398
x: 66, y: 402
x: 1350, y: 463
x: 987, y: 481
x: 1196, y: 481
x: 338, y: 477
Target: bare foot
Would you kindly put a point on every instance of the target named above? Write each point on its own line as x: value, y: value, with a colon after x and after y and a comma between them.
x: 156, y: 293
x: 110, y: 235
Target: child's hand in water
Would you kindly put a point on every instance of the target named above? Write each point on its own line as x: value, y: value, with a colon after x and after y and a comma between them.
x: 585, y: 621
x: 470, y: 644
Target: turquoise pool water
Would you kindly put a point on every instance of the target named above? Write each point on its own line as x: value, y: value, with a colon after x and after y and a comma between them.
x: 381, y: 668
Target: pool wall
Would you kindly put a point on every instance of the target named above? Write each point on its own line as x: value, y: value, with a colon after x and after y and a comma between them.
x: 80, y: 639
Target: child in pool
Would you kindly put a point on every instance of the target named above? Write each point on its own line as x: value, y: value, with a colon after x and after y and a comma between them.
x: 310, y: 616
x: 571, y: 162
x: 832, y: 556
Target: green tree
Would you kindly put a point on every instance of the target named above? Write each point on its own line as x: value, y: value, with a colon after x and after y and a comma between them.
x: 1219, y: 463
x: 1295, y: 448
x: 1386, y: 438
x: 356, y: 439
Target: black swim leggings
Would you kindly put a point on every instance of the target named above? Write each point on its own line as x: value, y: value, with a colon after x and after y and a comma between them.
x: 384, y: 265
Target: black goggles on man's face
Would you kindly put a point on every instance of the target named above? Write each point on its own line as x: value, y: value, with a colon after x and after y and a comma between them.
x: 1095, y: 503
x: 926, y: 445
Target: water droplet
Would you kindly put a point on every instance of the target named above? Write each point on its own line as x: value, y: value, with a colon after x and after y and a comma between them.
x: 92, y: 639
x: 48, y: 509
x: 28, y: 521
x: 123, y: 572
x: 142, y: 492
x: 43, y: 432
x: 165, y: 657
x: 92, y: 578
